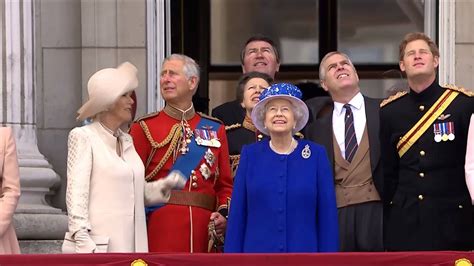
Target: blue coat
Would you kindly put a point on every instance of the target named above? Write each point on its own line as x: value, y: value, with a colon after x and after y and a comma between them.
x: 282, y: 203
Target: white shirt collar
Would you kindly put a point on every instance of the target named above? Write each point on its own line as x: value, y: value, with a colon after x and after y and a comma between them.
x: 357, y: 101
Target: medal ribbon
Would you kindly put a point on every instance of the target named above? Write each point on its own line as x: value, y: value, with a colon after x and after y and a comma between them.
x: 405, y: 143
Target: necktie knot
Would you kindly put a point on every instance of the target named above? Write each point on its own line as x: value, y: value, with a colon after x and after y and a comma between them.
x: 348, y: 108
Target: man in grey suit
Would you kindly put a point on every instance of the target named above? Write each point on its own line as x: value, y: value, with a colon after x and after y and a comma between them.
x: 347, y: 124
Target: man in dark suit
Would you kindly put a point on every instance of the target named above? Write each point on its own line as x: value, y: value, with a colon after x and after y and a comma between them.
x: 260, y: 54
x: 423, y: 146
x: 347, y: 124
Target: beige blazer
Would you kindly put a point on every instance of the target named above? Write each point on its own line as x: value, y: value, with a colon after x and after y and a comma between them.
x: 469, y: 167
x: 10, y: 181
x: 105, y: 191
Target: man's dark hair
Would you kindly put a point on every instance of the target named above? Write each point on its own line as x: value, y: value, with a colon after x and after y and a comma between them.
x: 263, y: 38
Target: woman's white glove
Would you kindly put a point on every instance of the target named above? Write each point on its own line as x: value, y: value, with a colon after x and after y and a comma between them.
x: 84, y: 243
x: 159, y: 191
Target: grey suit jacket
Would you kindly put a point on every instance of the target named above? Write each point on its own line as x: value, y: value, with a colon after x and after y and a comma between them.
x: 319, y: 130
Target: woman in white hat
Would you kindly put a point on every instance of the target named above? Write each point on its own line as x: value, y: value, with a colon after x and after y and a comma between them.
x: 469, y: 167
x: 283, y: 198
x: 106, y: 192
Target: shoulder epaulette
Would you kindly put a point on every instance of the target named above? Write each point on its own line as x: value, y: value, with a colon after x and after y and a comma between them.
x: 465, y: 91
x: 233, y: 126
x: 210, y: 118
x: 299, y: 135
x: 146, y: 116
x: 394, y: 97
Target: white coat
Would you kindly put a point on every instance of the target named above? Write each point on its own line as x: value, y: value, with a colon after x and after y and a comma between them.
x: 105, y: 190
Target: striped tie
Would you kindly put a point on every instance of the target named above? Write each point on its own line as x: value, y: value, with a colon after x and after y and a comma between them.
x: 350, y: 137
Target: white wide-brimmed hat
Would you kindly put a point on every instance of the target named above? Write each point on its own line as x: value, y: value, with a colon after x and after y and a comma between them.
x: 280, y: 91
x: 106, y: 86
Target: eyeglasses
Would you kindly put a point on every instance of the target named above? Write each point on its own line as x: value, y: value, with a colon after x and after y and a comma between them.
x: 278, y: 109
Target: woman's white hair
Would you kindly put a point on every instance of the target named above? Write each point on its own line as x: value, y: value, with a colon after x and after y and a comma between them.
x: 296, y: 112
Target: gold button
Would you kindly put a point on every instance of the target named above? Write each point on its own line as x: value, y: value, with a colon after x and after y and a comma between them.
x: 195, y: 178
x: 422, y: 174
x: 420, y: 197
x: 195, y: 185
x: 460, y: 206
x: 422, y: 153
x: 260, y: 136
x: 422, y: 107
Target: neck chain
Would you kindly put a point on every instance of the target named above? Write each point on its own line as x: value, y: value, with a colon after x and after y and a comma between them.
x: 118, y: 147
x: 288, y: 150
x: 111, y: 132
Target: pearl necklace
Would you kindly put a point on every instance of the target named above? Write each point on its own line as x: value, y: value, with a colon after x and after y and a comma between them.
x: 288, y: 151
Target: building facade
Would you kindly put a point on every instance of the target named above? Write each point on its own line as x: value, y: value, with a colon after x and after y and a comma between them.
x: 50, y: 48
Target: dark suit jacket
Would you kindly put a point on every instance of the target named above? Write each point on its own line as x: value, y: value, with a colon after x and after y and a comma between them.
x: 229, y: 113
x: 319, y: 130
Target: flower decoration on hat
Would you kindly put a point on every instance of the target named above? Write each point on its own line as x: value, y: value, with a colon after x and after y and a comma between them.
x: 280, y: 89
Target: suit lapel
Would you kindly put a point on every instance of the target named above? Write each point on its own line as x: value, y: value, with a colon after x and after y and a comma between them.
x: 372, y: 113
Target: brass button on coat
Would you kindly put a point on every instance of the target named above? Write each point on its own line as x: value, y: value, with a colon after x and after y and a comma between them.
x: 421, y: 107
x: 420, y: 197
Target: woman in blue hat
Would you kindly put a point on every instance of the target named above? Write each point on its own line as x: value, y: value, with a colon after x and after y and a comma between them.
x: 283, y: 198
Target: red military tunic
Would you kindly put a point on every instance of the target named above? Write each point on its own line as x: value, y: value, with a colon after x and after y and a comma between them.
x: 180, y: 228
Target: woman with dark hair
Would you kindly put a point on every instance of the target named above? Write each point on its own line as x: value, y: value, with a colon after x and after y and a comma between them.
x: 248, y: 92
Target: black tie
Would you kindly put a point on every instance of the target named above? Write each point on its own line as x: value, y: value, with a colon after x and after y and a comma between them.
x: 350, y: 139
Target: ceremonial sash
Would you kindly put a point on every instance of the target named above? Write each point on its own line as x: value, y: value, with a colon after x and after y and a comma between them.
x: 405, y: 143
x: 189, y: 161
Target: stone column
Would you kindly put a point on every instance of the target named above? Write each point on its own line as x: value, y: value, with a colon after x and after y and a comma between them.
x: 35, y: 219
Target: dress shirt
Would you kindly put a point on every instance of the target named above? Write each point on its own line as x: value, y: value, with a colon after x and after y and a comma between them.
x: 338, y: 117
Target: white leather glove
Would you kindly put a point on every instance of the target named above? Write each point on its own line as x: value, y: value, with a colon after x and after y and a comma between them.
x: 84, y: 243
x: 159, y: 191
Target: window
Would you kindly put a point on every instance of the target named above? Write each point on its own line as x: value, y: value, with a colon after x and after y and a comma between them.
x: 369, y: 31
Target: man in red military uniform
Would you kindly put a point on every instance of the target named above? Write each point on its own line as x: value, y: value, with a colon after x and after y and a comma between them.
x: 177, y: 138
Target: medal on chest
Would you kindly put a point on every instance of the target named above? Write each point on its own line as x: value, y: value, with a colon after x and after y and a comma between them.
x: 443, y: 131
x: 207, y: 137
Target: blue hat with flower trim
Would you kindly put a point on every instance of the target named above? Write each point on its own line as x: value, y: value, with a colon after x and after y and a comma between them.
x: 285, y: 91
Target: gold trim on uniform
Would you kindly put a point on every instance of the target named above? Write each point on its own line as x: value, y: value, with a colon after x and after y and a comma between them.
x: 394, y: 97
x: 147, y: 116
x: 248, y: 124
x: 462, y: 90
x: 172, y: 138
x: 416, y: 131
x: 234, y: 163
x: 179, y: 114
x: 233, y: 126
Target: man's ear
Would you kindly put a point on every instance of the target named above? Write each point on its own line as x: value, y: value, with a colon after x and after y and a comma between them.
x: 436, y: 61
x: 402, y: 66
x: 192, y: 82
x: 323, y: 85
